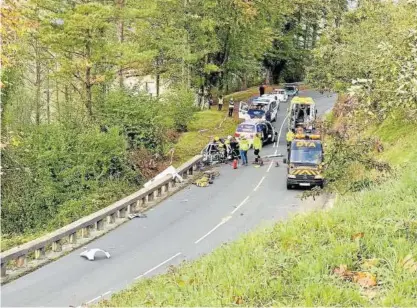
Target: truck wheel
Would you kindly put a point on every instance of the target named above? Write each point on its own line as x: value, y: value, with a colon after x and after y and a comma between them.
x: 289, y: 187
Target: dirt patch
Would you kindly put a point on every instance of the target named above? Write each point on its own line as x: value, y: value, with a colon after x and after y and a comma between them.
x: 148, y: 164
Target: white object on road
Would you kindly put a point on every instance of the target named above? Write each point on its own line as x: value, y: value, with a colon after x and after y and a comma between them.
x: 91, y: 253
x: 168, y: 171
x: 137, y: 215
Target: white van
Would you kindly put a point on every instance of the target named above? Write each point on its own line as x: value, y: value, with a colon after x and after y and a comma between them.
x: 281, y: 95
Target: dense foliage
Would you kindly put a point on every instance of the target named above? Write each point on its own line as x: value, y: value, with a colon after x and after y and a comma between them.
x: 372, y: 55
x: 77, y: 122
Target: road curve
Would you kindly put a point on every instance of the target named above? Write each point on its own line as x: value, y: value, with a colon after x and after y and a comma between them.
x: 189, y: 224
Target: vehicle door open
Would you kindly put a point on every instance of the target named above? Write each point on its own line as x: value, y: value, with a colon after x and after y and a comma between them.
x: 243, y: 110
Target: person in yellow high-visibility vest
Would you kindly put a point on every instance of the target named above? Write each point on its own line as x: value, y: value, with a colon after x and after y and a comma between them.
x: 257, y: 146
x: 244, y: 148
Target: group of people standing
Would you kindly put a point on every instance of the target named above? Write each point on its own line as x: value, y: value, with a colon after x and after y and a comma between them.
x: 231, y: 105
x: 221, y: 103
x: 241, y: 147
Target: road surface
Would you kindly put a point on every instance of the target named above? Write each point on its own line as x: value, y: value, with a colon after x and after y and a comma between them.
x: 189, y: 224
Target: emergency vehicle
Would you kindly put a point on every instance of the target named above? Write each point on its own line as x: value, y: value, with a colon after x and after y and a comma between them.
x: 251, y: 127
x: 305, y: 161
x: 265, y: 107
x: 302, y: 111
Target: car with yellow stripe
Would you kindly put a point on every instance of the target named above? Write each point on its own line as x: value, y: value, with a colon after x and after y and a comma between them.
x: 305, y: 162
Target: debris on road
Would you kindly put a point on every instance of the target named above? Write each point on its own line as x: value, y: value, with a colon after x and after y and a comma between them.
x: 137, y: 215
x: 91, y: 253
x: 273, y: 155
x: 207, y: 178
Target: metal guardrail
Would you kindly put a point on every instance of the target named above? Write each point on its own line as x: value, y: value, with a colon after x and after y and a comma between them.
x: 81, y: 227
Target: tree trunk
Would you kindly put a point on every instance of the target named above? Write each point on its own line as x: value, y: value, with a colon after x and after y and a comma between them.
x: 88, y: 81
x: 120, y: 4
x: 314, y: 36
x: 158, y: 77
x: 88, y: 92
x: 48, y: 100
x: 37, y: 84
x: 306, y: 35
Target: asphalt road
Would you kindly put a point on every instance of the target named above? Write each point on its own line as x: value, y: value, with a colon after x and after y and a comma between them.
x: 189, y: 224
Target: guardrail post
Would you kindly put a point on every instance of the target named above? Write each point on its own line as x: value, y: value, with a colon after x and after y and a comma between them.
x: 190, y: 171
x: 172, y: 183
x: 99, y: 225
x: 85, y: 232
x: 110, y: 219
x: 166, y: 187
x: 21, y: 261
x: 131, y: 207
x: 3, y: 270
x: 150, y: 197
x: 40, y: 253
x: 122, y: 212
x: 57, y: 246
x: 73, y: 238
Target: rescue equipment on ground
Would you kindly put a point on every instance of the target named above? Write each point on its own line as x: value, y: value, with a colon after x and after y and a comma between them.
x: 207, y: 178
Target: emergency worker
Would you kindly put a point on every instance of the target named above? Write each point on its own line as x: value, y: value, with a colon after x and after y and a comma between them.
x: 299, y: 130
x: 244, y: 148
x: 234, y: 145
x: 290, y: 138
x: 231, y: 106
x: 221, y: 145
x: 257, y: 146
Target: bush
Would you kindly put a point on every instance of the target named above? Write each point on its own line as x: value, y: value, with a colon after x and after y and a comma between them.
x: 138, y: 116
x: 180, y: 108
x: 51, y: 165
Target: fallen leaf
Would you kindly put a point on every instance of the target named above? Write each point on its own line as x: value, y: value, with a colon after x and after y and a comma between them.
x: 238, y: 300
x: 181, y: 282
x: 358, y: 235
x: 343, y: 272
x: 409, y: 263
x: 364, y: 279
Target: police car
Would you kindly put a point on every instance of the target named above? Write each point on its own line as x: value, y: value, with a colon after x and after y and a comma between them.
x: 250, y: 128
x: 265, y: 108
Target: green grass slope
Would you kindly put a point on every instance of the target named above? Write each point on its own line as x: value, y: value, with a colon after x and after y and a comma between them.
x: 372, y: 231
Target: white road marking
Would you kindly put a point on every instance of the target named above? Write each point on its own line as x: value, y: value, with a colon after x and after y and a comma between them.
x: 280, y: 130
x: 275, y: 144
x: 259, y: 184
x: 242, y: 203
x: 93, y: 300
x: 98, y: 297
x: 270, y: 165
x: 224, y: 220
x: 156, y: 267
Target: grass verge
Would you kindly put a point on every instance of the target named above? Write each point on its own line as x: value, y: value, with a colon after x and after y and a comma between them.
x: 373, y: 231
